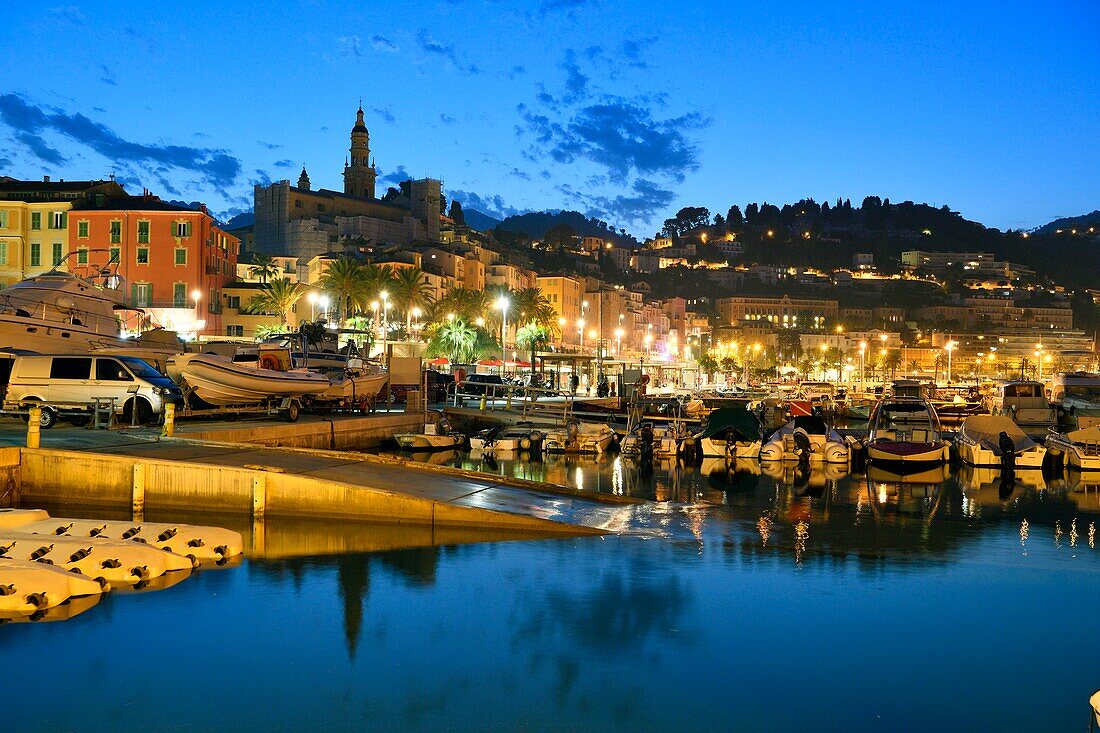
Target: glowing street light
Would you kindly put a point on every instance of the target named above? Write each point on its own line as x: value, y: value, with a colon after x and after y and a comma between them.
x: 312, y: 297
x: 324, y: 302
x: 949, y: 347
x: 502, y: 306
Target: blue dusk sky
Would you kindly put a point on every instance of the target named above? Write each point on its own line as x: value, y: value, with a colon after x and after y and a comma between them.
x: 623, y: 110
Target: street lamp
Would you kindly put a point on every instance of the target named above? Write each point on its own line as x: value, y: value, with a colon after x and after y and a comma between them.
x: 949, y: 347
x: 416, y: 313
x: 619, y: 341
x: 580, y: 331
x: 312, y: 298
x: 196, y: 295
x: 862, y: 353
x: 323, y: 301
x: 502, y: 305
x: 385, y: 321
x: 647, y: 340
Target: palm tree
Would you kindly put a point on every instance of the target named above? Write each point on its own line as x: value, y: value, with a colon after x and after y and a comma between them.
x: 277, y: 298
x: 892, y: 361
x: 454, y: 339
x: 263, y: 269
x: 411, y: 290
x: 534, y: 337
x: 345, y: 278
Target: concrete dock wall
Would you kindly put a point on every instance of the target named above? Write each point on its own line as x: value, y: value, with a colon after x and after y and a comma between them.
x: 9, y: 476
x: 56, y: 476
x: 343, y: 433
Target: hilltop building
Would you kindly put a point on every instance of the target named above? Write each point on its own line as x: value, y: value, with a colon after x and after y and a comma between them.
x: 301, y: 222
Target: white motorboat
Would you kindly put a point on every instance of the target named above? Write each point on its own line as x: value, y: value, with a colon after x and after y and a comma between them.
x: 906, y: 431
x: 1076, y: 396
x: 355, y: 384
x: 731, y: 431
x: 218, y: 380
x: 806, y: 437
x: 652, y: 440
x: 578, y: 437
x: 985, y: 440
x: 436, y: 435
x: 1079, y: 449
x: 511, y: 439
x: 1025, y: 402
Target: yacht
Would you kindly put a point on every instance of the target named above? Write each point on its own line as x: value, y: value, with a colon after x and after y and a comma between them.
x: 61, y: 312
x: 1076, y: 396
x: 1024, y: 401
x: 906, y: 431
x: 578, y: 437
x: 983, y: 440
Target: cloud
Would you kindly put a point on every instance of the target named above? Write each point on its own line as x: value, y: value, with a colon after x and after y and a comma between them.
x: 349, y: 47
x: 632, y: 52
x: 67, y: 14
x: 445, y: 51
x: 394, y: 177
x: 517, y: 71
x: 494, y: 206
x: 269, y: 146
x: 284, y: 163
x: 383, y: 44
x: 446, y: 119
x: 557, y: 6
x: 385, y: 114
x: 620, y: 135
x: 520, y: 174
x: 29, y: 123
x: 576, y: 83
x: 646, y: 199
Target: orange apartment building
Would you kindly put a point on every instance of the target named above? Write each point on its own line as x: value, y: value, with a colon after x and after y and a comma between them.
x: 175, y: 261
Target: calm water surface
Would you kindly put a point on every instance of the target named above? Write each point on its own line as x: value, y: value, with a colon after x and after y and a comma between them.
x: 739, y: 601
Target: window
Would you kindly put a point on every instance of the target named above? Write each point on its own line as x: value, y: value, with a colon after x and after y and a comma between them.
x: 116, y: 231
x: 234, y: 330
x: 58, y: 219
x: 109, y: 370
x: 179, y: 295
x: 116, y: 254
x: 143, y: 232
x: 36, y: 254
x: 36, y: 220
x: 58, y: 253
x: 143, y: 255
x: 181, y: 255
x: 67, y: 367
x: 82, y: 256
x: 182, y: 228
x: 142, y: 294
x: 3, y: 253
x: 297, y: 203
x: 212, y: 301
x: 234, y: 302
x: 82, y: 229
x: 3, y: 220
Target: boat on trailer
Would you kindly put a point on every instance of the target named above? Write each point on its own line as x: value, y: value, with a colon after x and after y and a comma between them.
x: 218, y: 380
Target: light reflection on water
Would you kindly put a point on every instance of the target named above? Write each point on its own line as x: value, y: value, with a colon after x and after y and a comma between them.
x: 754, y: 599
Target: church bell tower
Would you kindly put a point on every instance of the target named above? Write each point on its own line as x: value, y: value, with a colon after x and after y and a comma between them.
x: 359, y: 174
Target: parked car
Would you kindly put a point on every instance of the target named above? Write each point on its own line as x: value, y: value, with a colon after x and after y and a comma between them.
x: 68, y: 385
x: 478, y: 384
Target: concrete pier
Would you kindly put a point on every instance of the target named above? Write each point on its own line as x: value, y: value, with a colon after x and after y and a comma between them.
x: 142, y: 472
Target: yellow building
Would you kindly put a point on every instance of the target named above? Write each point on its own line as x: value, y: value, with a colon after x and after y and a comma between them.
x: 34, y: 237
x: 565, y: 296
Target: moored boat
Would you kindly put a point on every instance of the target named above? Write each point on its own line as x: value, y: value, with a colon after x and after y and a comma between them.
x: 436, y: 435
x: 1078, y: 449
x: 906, y: 431
x: 578, y: 437
x: 731, y: 431
x: 806, y: 438
x: 994, y: 440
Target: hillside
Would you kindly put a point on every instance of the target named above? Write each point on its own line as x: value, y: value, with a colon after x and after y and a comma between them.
x: 1082, y: 222
x: 481, y: 222
x: 536, y: 223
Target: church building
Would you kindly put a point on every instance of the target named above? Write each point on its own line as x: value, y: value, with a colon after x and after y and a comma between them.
x: 300, y: 222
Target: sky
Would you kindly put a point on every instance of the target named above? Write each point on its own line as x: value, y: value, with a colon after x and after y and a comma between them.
x: 626, y: 111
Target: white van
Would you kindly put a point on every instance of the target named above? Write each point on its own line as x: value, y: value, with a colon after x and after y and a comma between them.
x: 69, y: 384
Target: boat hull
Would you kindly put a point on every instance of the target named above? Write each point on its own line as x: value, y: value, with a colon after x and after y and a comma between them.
x: 908, y: 454
x: 218, y: 381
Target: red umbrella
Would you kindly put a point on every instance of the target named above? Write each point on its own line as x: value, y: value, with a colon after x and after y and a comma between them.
x: 490, y: 362
x: 523, y: 364
x: 440, y: 361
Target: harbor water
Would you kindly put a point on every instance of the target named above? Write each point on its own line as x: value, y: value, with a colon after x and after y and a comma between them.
x: 731, y: 600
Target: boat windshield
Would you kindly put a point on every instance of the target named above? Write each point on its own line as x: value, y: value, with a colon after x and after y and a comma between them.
x: 1023, y: 390
x: 1084, y: 391
x: 893, y: 414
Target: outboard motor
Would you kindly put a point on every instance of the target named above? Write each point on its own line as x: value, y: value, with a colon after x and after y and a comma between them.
x: 1008, y: 453
x: 572, y: 432
x: 645, y: 438
x: 802, y: 445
